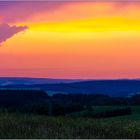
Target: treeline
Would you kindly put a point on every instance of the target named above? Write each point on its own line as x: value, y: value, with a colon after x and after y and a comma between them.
x: 89, y: 99
x: 39, y: 102
x: 95, y: 99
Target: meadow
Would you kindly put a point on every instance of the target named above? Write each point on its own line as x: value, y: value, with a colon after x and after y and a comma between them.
x: 20, y: 125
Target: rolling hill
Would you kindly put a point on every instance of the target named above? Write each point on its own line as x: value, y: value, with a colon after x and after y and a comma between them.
x: 110, y: 87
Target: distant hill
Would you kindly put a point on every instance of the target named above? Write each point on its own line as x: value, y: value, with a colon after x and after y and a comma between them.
x: 4, y: 81
x: 109, y: 87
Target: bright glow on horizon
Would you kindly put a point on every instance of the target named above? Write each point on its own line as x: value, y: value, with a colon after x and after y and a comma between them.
x: 76, y: 40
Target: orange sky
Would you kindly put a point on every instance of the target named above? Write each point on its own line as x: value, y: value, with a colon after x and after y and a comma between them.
x: 90, y: 40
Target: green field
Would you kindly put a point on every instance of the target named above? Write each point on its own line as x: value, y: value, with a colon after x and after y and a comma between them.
x: 16, y: 125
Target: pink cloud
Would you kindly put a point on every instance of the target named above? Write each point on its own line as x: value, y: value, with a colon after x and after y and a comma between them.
x: 14, y: 11
x: 7, y: 31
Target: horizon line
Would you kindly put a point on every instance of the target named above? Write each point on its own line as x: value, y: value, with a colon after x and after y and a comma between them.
x: 71, y: 0
x: 84, y: 79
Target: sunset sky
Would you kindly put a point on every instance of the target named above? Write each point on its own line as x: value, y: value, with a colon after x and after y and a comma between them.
x: 75, y: 40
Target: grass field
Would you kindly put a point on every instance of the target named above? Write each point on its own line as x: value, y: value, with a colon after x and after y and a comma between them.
x: 15, y: 125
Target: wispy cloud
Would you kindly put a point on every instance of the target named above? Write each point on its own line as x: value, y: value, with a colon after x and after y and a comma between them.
x: 18, y: 11
x: 15, y: 11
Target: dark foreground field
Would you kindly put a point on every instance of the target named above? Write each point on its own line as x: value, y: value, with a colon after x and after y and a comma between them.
x: 16, y: 125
